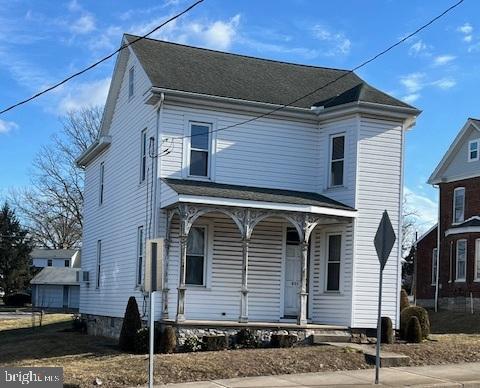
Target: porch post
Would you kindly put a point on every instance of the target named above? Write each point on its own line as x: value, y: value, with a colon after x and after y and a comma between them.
x: 302, y: 314
x: 181, y: 285
x: 244, y: 290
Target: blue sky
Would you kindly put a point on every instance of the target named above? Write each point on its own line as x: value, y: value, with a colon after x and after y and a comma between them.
x: 438, y: 71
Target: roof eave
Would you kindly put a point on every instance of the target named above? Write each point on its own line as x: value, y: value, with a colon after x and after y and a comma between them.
x: 93, y: 151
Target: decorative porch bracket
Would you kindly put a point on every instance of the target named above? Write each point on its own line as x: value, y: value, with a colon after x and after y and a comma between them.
x: 246, y: 219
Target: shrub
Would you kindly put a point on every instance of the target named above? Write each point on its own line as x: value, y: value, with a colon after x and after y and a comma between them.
x: 214, y: 342
x: 246, y: 338
x: 141, y: 344
x: 79, y: 324
x: 422, y: 316
x: 192, y: 344
x: 414, y: 330
x: 131, y: 324
x: 387, y: 331
x: 18, y: 299
x: 282, y: 340
x: 168, y: 342
x: 404, y: 303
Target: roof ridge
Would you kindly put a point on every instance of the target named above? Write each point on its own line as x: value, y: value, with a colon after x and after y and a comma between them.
x: 244, y: 56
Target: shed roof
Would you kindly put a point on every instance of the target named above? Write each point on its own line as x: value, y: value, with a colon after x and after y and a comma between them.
x: 42, y: 253
x: 56, y: 275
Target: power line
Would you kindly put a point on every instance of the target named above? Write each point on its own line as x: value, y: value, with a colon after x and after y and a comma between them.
x: 122, y: 47
x: 366, y: 62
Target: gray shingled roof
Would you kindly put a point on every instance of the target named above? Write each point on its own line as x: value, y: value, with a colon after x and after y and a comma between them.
x: 41, y: 253
x: 220, y: 190
x: 191, y: 69
x: 56, y: 275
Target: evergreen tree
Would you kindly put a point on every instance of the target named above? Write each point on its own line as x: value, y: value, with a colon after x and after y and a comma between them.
x: 15, y: 251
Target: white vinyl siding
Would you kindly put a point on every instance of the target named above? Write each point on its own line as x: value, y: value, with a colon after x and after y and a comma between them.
x: 143, y: 155
x: 140, y: 255
x: 477, y: 260
x: 461, y: 261
x: 459, y: 205
x: 434, y: 266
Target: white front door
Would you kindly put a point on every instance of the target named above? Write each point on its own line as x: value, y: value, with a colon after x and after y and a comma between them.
x: 292, y: 280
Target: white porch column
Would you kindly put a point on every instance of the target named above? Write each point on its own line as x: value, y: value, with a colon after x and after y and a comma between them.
x: 244, y: 290
x: 181, y: 286
x: 302, y: 313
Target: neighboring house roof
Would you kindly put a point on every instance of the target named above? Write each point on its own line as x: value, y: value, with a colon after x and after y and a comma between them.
x: 434, y: 227
x: 473, y: 221
x: 220, y: 190
x: 198, y: 70
x: 40, y: 253
x: 56, y: 276
x: 472, y: 225
x: 436, y: 176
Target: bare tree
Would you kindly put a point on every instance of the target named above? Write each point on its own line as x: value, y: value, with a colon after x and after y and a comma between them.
x: 410, y: 228
x: 52, y: 205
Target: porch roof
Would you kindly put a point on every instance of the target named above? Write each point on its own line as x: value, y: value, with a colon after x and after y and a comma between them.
x: 255, y: 197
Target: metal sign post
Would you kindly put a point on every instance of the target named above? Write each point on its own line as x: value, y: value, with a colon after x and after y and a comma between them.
x: 384, y: 241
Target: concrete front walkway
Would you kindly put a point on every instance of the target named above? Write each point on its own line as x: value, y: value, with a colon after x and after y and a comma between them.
x: 452, y: 375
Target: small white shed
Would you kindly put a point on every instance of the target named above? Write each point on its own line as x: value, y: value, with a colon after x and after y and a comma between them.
x: 56, y: 288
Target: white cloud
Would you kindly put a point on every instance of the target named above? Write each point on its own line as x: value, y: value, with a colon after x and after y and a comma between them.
x: 411, y: 98
x: 74, y: 6
x: 221, y: 34
x: 83, y: 95
x: 83, y: 25
x: 443, y: 59
x: 413, y: 82
x: 419, y: 47
x: 467, y: 31
x: 7, y: 126
x: 445, y: 83
x: 337, y: 42
x: 424, y: 206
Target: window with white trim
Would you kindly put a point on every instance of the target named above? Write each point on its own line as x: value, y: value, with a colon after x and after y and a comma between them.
x: 434, y: 265
x: 473, y: 150
x: 99, y: 264
x: 199, y: 157
x: 140, y: 255
x: 143, y: 155
x: 477, y: 259
x: 131, y: 81
x: 337, y: 160
x: 334, y: 254
x: 49, y: 262
x: 102, y: 183
x: 196, y: 256
x: 459, y: 204
x: 461, y: 258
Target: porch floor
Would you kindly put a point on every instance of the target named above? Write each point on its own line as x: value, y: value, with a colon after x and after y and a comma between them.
x: 253, y: 324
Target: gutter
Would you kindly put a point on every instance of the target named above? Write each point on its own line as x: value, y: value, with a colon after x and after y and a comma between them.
x: 93, y: 151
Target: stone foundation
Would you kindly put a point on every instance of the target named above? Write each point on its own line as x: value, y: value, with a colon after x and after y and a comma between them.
x: 103, y: 326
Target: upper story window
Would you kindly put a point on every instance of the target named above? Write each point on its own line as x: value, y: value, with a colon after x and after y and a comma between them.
x: 196, y: 256
x: 434, y: 265
x: 333, y: 262
x: 67, y: 263
x: 461, y: 267
x: 199, y: 163
x: 459, y: 204
x: 49, y: 262
x: 337, y: 160
x: 102, y: 185
x: 473, y: 150
x: 143, y: 155
x: 131, y: 81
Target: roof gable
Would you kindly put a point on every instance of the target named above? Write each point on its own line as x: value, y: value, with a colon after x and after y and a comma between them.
x: 197, y: 70
x: 472, y: 126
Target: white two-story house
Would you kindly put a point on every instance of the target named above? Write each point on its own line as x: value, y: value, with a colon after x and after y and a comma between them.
x: 268, y: 213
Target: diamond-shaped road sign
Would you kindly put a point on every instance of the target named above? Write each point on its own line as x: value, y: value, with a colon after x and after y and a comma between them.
x: 384, y: 239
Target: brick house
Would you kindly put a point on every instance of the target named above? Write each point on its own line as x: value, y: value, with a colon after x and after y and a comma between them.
x: 458, y: 179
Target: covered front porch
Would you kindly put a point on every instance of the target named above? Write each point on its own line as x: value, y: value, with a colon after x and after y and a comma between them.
x: 252, y: 257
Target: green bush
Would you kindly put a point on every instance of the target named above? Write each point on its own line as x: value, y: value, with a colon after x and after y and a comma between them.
x: 404, y: 303
x: 414, y: 330
x: 192, y: 344
x: 388, y: 336
x: 246, y: 338
x: 79, y: 324
x: 214, y: 342
x: 18, y: 299
x: 131, y: 324
x: 168, y: 343
x: 282, y: 340
x: 141, y: 344
x: 422, y: 316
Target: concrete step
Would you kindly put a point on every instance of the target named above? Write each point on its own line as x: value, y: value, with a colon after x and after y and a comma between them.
x: 320, y: 339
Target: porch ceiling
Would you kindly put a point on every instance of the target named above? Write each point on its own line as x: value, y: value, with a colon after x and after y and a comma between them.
x: 210, y: 193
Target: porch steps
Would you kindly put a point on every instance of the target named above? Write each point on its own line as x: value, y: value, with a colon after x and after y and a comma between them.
x: 325, y: 338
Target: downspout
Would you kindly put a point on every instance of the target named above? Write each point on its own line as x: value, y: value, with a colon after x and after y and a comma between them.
x: 438, y: 252
x: 159, y: 109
